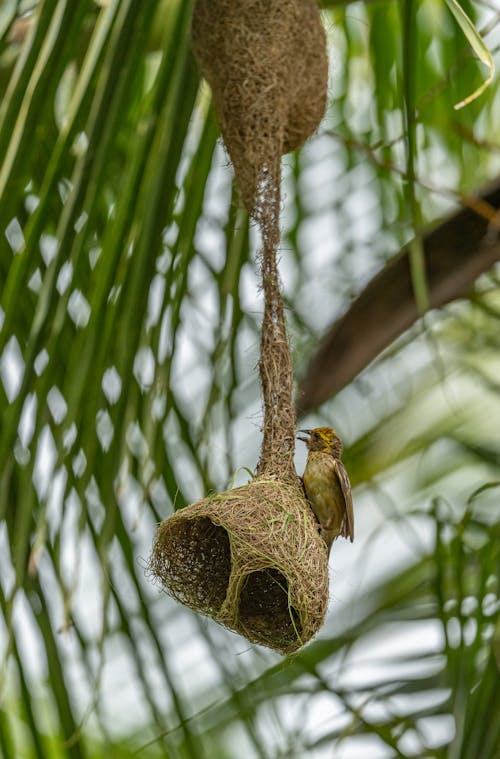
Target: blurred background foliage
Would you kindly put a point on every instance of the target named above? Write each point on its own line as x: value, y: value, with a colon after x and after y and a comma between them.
x: 129, y: 326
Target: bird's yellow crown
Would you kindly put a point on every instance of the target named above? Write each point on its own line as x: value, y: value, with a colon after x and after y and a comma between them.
x: 326, y: 434
x: 323, y: 439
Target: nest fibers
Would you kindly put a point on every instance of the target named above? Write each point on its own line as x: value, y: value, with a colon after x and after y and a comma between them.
x: 267, y: 65
x: 252, y: 558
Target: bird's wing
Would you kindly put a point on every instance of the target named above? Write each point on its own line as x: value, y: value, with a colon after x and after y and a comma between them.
x: 348, y: 526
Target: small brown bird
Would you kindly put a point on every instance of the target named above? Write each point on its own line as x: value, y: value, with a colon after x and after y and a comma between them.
x: 327, y: 485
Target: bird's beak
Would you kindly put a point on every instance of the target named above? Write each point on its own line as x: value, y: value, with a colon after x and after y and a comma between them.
x: 304, y: 439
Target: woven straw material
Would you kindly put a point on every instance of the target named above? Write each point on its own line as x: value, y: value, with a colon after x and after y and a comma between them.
x: 266, y: 63
x: 251, y: 558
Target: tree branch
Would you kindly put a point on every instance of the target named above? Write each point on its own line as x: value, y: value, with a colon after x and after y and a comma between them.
x: 456, y: 253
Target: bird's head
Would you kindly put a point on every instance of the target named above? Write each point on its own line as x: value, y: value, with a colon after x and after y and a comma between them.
x: 322, y: 439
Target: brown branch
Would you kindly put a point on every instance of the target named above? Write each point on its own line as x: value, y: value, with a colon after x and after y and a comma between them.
x: 456, y: 253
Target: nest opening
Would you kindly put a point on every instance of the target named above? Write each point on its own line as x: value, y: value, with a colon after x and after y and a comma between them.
x: 183, y: 555
x: 265, y: 609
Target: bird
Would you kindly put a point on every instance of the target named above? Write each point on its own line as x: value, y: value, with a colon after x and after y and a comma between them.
x: 326, y: 485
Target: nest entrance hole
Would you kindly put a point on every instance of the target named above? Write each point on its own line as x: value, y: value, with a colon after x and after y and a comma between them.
x: 264, y: 608
x: 195, y: 556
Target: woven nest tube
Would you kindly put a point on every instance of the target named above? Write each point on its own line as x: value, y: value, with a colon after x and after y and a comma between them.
x: 252, y: 557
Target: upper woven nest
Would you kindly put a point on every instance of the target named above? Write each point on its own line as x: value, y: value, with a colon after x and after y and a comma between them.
x: 267, y: 66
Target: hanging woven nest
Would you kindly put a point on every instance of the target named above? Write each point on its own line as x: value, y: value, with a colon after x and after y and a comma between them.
x: 267, y: 65
x: 252, y: 557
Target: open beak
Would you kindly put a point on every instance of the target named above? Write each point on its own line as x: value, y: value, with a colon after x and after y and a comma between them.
x: 304, y: 439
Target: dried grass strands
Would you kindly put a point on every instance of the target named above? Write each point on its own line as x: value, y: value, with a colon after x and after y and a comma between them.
x: 252, y: 559
x: 267, y: 65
